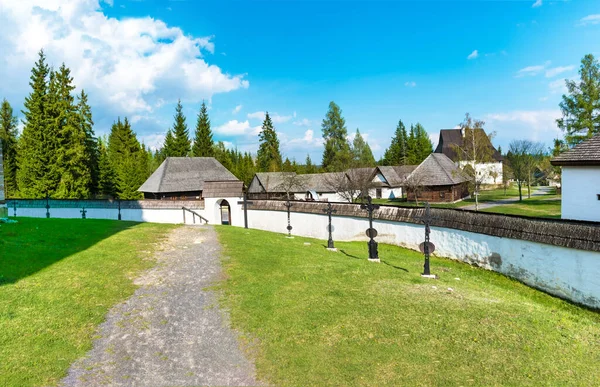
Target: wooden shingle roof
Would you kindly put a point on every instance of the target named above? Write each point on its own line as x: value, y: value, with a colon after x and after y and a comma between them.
x: 585, y: 153
x: 437, y: 169
x: 451, y: 138
x: 223, y: 189
x: 186, y: 174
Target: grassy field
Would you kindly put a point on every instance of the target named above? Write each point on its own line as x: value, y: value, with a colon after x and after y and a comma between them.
x: 58, y: 278
x: 539, y: 208
x: 313, y: 317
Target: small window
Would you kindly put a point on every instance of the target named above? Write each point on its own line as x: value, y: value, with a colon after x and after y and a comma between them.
x: 598, y: 196
x: 378, y: 193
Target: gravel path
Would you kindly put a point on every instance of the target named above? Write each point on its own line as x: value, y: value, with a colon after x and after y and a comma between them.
x: 171, y: 332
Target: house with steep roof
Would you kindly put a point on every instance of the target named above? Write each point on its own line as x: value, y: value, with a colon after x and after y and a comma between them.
x: 437, y: 179
x: 580, y: 180
x: 450, y: 139
x: 276, y: 185
x: 191, y: 178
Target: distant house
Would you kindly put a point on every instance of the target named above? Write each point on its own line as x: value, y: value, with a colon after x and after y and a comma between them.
x: 437, y: 179
x: 275, y: 185
x: 191, y: 178
x: 580, y: 181
x: 452, y: 138
x: 389, y: 181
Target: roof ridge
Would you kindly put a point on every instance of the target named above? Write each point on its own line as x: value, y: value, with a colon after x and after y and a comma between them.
x: 443, y: 168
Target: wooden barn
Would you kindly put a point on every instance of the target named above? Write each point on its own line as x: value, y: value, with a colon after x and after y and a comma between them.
x: 437, y: 179
x: 191, y: 178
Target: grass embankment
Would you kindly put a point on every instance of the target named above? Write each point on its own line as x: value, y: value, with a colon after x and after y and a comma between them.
x: 314, y: 317
x: 58, y: 278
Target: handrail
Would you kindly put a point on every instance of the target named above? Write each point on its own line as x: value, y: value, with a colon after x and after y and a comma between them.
x: 194, y: 214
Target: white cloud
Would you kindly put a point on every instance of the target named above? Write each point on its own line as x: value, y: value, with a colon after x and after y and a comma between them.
x: 590, y: 19
x: 532, y: 70
x: 538, y: 3
x: 276, y: 118
x: 237, y: 109
x: 302, y: 122
x: 473, y: 55
x: 309, y: 140
x: 410, y: 84
x: 153, y: 141
x: 558, y: 86
x: 552, y: 72
x: 126, y: 65
x: 536, y: 125
x: 233, y: 128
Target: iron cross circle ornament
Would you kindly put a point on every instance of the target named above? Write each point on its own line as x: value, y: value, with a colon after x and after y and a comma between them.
x: 371, y: 232
x: 426, y: 246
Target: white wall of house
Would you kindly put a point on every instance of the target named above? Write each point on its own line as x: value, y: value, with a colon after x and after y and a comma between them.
x: 487, y: 171
x: 568, y: 273
x: 580, y: 190
x: 387, y: 193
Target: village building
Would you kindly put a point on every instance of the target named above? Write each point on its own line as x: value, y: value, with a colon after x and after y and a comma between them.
x: 580, y: 180
x: 277, y: 185
x: 437, y: 179
x: 389, y: 181
x: 450, y: 139
x: 191, y: 178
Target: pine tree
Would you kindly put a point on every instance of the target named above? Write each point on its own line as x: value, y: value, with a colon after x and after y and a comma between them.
x: 411, y: 148
x: 203, y: 141
x: 107, y: 176
x: 309, y: 167
x: 337, y: 155
x: 124, y: 151
x: 287, y: 166
x: 180, y: 147
x: 168, y: 145
x: 580, y: 107
x: 268, y: 156
x: 363, y: 156
x: 72, y: 163
x: 84, y: 112
x: 8, y: 142
x: 222, y: 155
x: 396, y: 154
x: 423, y: 144
x: 36, y: 144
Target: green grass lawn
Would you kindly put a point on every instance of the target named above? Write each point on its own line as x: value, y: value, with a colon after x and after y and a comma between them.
x: 58, y: 278
x: 538, y: 208
x: 313, y: 317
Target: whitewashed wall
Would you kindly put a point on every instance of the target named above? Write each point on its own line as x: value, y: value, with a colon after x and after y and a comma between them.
x: 567, y: 273
x: 487, y: 170
x: 580, y: 189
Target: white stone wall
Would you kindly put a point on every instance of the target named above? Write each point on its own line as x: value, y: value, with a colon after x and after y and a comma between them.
x: 486, y: 170
x: 568, y: 273
x: 580, y: 189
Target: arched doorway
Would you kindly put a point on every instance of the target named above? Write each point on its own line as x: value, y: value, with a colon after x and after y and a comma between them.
x: 225, y: 210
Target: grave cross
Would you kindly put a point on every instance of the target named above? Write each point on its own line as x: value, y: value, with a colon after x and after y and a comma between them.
x: 426, y: 247
x: 119, y: 205
x: 15, y: 208
x: 245, y: 202
x: 371, y: 232
x: 329, y: 210
x: 83, y: 212
x: 288, y: 204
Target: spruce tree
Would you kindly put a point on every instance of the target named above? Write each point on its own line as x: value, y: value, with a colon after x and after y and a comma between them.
x: 423, y: 144
x: 124, y: 151
x: 580, y: 107
x: 84, y: 112
x: 8, y: 142
x: 203, y: 141
x: 309, y: 167
x: 107, y: 176
x: 412, y: 156
x: 72, y: 163
x: 222, y: 155
x: 268, y: 156
x: 363, y: 156
x: 396, y: 154
x: 36, y: 144
x: 337, y: 155
x: 287, y: 166
x: 181, y: 141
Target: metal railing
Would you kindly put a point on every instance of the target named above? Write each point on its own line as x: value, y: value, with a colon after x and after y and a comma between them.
x: 194, y: 214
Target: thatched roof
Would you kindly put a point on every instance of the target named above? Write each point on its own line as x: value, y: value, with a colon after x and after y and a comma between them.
x: 436, y: 170
x: 396, y: 175
x: 186, y: 174
x: 585, y: 153
x: 451, y: 138
x: 270, y: 182
x: 275, y: 182
x: 571, y: 234
x: 223, y: 189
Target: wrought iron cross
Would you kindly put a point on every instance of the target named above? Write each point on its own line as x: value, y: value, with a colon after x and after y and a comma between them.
x: 15, y: 208
x: 371, y: 232
x: 245, y: 202
x: 47, y: 205
x: 329, y: 210
x: 119, y: 204
x: 289, y: 204
x: 428, y: 247
x: 83, y: 212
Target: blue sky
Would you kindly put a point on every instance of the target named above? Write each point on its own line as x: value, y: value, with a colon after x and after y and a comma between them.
x: 419, y: 61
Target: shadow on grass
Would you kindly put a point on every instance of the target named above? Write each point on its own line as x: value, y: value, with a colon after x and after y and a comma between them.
x: 394, y: 266
x: 349, y: 255
x: 33, y: 244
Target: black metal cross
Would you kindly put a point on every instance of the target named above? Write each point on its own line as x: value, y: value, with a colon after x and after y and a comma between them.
x: 83, y: 212
x: 288, y: 204
x: 428, y: 247
x: 119, y: 204
x: 15, y: 208
x: 329, y: 210
x: 245, y: 202
x: 47, y: 205
x: 371, y: 232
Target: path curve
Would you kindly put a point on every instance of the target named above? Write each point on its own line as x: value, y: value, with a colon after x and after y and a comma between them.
x: 538, y: 191
x: 171, y: 332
